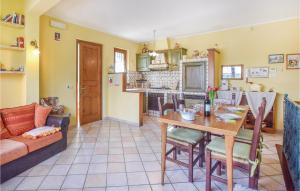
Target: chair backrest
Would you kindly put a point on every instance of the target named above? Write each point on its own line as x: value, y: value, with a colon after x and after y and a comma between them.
x: 163, y: 107
x: 257, y: 129
x: 177, y: 102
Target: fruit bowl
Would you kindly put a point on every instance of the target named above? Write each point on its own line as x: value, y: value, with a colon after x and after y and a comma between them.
x: 188, y: 114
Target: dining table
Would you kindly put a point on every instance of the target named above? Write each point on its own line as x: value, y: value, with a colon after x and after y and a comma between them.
x: 211, y: 124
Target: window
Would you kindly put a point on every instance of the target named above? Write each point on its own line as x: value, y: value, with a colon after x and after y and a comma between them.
x: 120, y: 60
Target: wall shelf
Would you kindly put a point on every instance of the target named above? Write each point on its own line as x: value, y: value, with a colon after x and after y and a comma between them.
x: 7, y: 47
x: 11, y: 72
x: 9, y: 24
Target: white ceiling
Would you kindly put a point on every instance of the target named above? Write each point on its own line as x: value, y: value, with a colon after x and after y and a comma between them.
x: 136, y: 19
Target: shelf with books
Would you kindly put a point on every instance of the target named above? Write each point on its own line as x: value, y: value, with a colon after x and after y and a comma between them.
x: 7, y: 47
x: 14, y: 18
x: 9, y: 24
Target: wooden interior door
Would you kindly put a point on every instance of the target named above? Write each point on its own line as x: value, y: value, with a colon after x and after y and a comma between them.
x: 90, y: 82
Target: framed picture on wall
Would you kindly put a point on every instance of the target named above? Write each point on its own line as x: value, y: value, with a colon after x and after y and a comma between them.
x: 258, y: 72
x: 232, y: 72
x: 293, y: 61
x: 276, y: 58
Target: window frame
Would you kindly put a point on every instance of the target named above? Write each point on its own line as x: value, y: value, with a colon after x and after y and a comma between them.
x: 122, y: 51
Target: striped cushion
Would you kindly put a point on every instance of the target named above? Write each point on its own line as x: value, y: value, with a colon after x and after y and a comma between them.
x: 4, y: 134
x: 18, y: 120
x: 41, y: 114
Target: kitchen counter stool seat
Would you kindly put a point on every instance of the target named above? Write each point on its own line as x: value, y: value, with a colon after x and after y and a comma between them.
x: 244, y: 135
x: 184, y: 135
x: 240, y: 152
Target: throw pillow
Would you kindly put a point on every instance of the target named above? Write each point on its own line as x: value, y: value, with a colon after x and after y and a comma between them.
x: 41, y: 114
x: 40, y: 132
x: 18, y: 120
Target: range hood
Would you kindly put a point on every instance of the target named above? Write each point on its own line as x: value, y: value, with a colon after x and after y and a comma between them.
x: 161, y: 60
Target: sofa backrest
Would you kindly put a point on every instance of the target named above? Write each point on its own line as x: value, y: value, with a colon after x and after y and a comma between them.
x: 18, y: 120
x: 4, y: 134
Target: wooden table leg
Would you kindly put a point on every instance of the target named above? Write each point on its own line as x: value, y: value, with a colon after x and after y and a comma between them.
x: 163, y: 128
x: 229, y: 141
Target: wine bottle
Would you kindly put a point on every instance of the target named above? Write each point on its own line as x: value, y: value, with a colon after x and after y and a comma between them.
x: 207, y: 106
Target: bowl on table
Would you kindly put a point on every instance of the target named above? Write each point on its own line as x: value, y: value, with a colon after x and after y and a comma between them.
x: 188, y: 114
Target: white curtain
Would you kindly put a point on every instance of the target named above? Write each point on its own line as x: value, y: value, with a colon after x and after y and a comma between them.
x: 254, y: 100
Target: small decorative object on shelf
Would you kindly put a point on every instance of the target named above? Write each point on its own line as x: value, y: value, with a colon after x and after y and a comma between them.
x: 177, y: 45
x: 196, y: 54
x: 20, y: 42
x: 145, y: 49
x: 53, y: 103
x: 14, y: 18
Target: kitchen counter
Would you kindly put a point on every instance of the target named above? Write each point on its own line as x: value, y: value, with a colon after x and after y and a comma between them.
x: 149, y: 90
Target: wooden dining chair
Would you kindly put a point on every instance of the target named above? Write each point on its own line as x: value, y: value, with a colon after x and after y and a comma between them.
x: 177, y: 102
x: 246, y: 157
x: 245, y: 135
x: 184, y: 140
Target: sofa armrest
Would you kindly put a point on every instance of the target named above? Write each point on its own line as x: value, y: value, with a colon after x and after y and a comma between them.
x: 62, y: 121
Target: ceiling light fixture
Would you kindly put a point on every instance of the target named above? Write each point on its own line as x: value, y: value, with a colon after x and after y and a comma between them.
x: 153, y: 53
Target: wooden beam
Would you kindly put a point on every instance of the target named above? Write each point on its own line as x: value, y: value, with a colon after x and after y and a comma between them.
x: 212, y: 66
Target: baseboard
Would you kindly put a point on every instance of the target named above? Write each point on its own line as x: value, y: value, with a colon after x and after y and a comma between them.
x: 122, y: 120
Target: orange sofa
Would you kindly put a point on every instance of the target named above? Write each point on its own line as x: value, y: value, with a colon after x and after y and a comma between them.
x: 17, y: 153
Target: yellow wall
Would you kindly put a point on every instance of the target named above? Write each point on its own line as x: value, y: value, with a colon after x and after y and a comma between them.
x: 58, y: 64
x: 122, y: 105
x: 12, y: 86
x: 251, y: 46
x: 19, y: 89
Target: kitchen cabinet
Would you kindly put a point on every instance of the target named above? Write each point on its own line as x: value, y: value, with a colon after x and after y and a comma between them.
x: 142, y: 62
x: 153, y: 101
x: 175, y: 56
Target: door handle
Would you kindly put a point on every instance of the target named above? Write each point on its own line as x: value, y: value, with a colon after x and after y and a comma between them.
x: 82, y: 88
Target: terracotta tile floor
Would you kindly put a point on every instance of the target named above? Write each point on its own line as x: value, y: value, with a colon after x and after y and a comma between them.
x: 116, y: 156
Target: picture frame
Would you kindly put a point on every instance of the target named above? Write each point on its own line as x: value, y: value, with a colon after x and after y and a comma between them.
x: 232, y: 72
x: 258, y: 72
x: 276, y: 58
x: 293, y: 61
x: 57, y: 36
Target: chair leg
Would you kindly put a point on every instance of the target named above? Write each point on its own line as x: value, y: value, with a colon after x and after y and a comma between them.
x: 191, y: 159
x: 219, y: 169
x: 201, y: 154
x: 253, y: 181
x: 208, y: 137
x: 175, y: 153
x: 208, y: 169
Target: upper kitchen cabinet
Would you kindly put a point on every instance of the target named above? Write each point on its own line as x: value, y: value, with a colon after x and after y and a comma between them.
x: 175, y: 56
x: 142, y: 62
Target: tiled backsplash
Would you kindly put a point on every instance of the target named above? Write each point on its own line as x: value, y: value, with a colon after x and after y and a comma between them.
x: 168, y: 79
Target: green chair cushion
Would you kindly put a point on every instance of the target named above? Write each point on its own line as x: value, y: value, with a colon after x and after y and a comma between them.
x: 241, y: 151
x: 245, y: 135
x: 184, y: 135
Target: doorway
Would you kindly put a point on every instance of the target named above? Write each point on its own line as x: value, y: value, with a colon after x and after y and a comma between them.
x: 89, y: 82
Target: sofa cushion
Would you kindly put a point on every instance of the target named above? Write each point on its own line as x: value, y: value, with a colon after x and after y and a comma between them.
x: 18, y: 120
x: 35, y: 144
x: 41, y: 114
x: 11, y: 150
x: 4, y: 134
